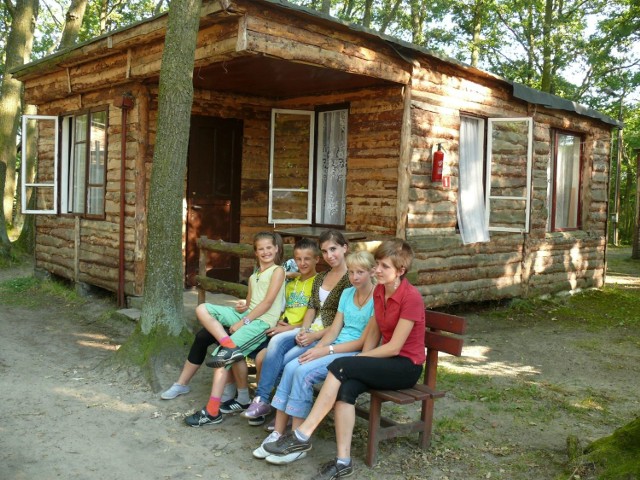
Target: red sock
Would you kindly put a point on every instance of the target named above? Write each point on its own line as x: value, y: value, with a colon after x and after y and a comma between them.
x: 213, y: 406
x: 226, y: 342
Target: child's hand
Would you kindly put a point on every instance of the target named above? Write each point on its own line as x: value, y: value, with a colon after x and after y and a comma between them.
x: 236, y: 326
x: 312, y: 354
x: 303, y: 338
x: 241, y: 306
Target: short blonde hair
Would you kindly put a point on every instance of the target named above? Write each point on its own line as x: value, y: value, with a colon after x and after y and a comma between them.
x: 398, y: 252
x: 361, y: 258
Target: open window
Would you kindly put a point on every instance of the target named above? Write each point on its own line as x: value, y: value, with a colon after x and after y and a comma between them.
x: 69, y: 155
x: 301, y: 177
x: 494, y: 184
x: 39, y: 155
x: 566, y: 182
x: 508, y: 179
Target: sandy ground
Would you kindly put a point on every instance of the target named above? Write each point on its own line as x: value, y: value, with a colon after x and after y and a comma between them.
x: 67, y: 414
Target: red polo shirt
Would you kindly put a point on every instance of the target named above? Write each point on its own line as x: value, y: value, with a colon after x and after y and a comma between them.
x: 406, y: 302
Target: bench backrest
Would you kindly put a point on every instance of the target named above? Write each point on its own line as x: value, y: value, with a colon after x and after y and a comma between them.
x: 442, y: 334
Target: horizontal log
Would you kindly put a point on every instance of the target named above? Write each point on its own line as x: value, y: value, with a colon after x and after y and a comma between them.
x: 242, y: 250
x: 220, y: 286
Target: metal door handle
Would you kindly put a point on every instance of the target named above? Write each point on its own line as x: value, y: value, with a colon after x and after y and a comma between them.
x: 196, y: 207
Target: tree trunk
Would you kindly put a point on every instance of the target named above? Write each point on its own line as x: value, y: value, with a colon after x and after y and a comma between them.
x: 366, y: 16
x: 476, y: 35
x: 417, y: 36
x: 26, y: 223
x: 547, y: 46
x: 326, y: 7
x: 163, y: 302
x: 635, y: 252
x: 18, y: 51
x: 73, y: 22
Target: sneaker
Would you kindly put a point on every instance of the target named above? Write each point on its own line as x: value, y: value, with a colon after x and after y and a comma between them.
x: 285, y: 459
x: 202, y: 418
x: 260, y: 452
x: 232, y: 406
x: 258, y: 408
x: 255, y: 422
x: 175, y: 390
x: 287, y: 443
x: 272, y: 425
x: 225, y: 357
x: 332, y: 470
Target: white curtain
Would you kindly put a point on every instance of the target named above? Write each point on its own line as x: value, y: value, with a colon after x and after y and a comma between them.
x: 332, y: 168
x: 567, y: 181
x: 471, y: 214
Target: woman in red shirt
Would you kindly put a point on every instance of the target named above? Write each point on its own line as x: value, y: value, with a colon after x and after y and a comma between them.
x: 391, y: 359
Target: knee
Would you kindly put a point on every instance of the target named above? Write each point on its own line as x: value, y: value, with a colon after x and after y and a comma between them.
x: 202, y: 313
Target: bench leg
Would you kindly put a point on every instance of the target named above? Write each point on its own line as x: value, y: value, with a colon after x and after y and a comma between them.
x: 427, y: 417
x: 375, y: 408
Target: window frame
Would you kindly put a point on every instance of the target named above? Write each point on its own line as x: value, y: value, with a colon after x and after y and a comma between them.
x: 316, y: 163
x: 67, y: 163
x: 23, y: 167
x: 63, y: 175
x: 553, y: 171
x: 488, y: 175
x: 309, y: 189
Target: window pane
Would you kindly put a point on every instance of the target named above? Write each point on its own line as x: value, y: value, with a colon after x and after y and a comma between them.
x: 510, y: 214
x: 81, y: 128
x: 567, y: 181
x: 289, y: 205
x: 97, y: 148
x: 509, y: 154
x: 78, y: 187
x: 44, y: 198
x: 291, y: 150
x: 510, y: 145
x: 96, y: 201
x: 331, y: 171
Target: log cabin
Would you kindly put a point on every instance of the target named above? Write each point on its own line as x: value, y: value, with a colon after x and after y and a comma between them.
x: 300, y: 119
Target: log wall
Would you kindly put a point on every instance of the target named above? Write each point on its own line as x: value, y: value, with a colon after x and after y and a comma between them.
x: 509, y: 265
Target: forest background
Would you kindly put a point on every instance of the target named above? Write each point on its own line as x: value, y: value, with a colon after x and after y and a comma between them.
x: 587, y: 51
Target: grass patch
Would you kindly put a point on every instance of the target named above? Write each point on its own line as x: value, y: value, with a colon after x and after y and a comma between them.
x: 31, y: 292
x: 611, y: 306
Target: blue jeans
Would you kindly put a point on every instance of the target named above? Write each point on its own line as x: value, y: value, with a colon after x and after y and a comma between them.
x: 281, y: 350
x: 294, y: 395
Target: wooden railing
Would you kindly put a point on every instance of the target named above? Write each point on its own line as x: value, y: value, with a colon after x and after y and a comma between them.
x: 207, y: 284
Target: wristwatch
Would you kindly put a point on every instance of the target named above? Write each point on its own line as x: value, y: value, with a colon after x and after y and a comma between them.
x: 246, y: 320
x: 331, y: 352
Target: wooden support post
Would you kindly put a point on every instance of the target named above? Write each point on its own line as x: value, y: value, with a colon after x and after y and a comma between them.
x: 202, y: 268
x: 404, y: 167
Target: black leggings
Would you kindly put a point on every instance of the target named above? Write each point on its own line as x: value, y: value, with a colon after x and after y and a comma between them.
x: 358, y: 374
x: 198, y: 351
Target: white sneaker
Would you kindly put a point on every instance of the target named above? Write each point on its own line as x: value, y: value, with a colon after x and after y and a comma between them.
x: 285, y: 459
x: 175, y: 390
x: 260, y: 452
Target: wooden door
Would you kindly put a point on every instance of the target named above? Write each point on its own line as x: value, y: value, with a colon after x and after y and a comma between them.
x: 213, y: 193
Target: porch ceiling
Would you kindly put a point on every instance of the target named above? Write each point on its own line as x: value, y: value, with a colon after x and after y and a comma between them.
x: 274, y: 78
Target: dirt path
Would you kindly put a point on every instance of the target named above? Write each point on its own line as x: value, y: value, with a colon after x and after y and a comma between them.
x: 515, y: 396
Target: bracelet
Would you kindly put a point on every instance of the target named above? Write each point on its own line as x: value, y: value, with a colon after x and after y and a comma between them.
x: 331, y: 352
x: 308, y: 330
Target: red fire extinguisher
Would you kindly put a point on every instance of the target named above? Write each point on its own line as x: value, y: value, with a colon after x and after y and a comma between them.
x: 438, y: 162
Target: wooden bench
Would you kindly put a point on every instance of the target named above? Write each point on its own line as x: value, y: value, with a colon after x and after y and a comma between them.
x: 441, y: 335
